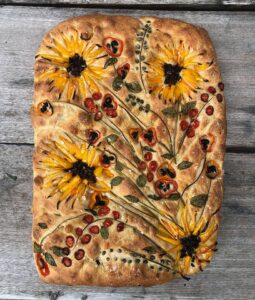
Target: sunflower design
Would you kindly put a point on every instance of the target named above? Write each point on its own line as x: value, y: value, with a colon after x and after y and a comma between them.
x: 174, y: 73
x: 72, y: 65
x: 72, y: 169
x: 190, y: 239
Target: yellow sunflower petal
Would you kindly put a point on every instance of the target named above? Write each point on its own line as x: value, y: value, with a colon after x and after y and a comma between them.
x: 71, y: 184
x: 98, y: 171
x: 187, y: 261
x: 62, y: 162
x: 199, y: 225
x: 100, y: 186
x: 169, y: 240
x: 208, y: 233
x: 64, y: 179
x: 91, y: 156
x: 107, y: 173
x: 84, y: 153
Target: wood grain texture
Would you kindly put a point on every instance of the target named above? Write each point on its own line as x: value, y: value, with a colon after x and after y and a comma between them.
x: 168, y: 3
x: 238, y: 2
x: 23, y: 28
x: 232, y: 267
x: 118, y: 2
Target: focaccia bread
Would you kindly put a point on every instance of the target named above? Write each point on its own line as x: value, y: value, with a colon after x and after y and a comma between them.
x: 129, y: 126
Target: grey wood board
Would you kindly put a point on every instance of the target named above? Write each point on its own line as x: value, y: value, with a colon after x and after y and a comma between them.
x: 22, y: 29
x: 229, y: 276
x: 117, y: 2
x: 238, y: 2
x: 169, y: 3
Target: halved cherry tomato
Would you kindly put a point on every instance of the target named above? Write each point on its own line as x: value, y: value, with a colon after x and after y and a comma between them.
x: 165, y: 187
x: 97, y: 200
x: 113, y: 46
x: 93, y: 136
x: 42, y: 265
x: 123, y: 70
x: 134, y: 133
x: 108, y: 103
x: 206, y: 142
x: 166, y: 170
x: 90, y: 105
x: 149, y: 136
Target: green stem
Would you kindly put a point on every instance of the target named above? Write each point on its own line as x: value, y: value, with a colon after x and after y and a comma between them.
x: 150, y: 240
x: 152, y: 208
x: 202, y: 212
x: 175, y: 130
x: 192, y: 183
x: 185, y: 132
x: 138, y: 210
x: 122, y: 155
x: 58, y: 226
x: 84, y: 228
x: 164, y: 123
x: 140, y: 60
x: 134, y: 118
x: 163, y: 145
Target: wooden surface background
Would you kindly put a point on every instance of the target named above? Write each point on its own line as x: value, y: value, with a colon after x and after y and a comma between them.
x: 231, y: 25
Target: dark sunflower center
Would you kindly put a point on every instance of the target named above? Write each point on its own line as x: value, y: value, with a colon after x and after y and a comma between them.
x: 189, y: 245
x: 82, y: 169
x: 172, y: 74
x: 76, y: 65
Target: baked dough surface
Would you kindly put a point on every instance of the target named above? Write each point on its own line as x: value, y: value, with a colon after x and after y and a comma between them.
x: 129, y: 126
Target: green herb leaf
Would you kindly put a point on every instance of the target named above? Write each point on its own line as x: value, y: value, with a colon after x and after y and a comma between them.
x: 37, y: 248
x: 141, y: 180
x: 119, y: 166
x: 147, y: 148
x: 104, y: 233
x: 13, y: 177
x: 199, y: 200
x: 134, y: 87
x: 43, y: 225
x: 116, y: 181
x: 175, y: 196
x: 132, y: 198
x: 58, y: 251
x: 92, y: 211
x: 184, y: 165
x: 49, y: 259
x: 117, y: 83
x: 169, y: 112
x: 188, y: 106
x: 112, y: 138
x: 110, y: 62
x: 150, y: 249
x: 154, y: 197
x: 167, y: 156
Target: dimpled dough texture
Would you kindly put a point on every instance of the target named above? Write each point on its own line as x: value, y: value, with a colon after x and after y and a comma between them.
x: 129, y: 125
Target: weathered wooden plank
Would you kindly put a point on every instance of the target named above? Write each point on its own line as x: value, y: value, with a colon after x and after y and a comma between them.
x: 118, y: 2
x: 168, y: 3
x: 23, y: 27
x: 238, y: 2
x: 230, y: 275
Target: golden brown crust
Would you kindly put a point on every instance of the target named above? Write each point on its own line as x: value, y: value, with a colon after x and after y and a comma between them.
x: 142, y: 253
